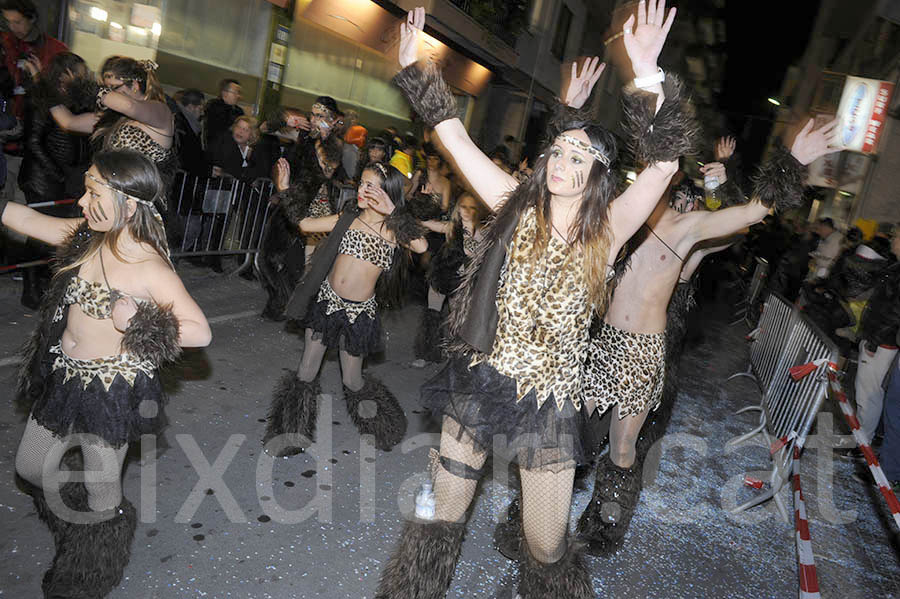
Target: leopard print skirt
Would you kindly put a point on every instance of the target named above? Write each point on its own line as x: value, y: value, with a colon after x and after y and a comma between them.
x: 115, y: 398
x: 625, y: 368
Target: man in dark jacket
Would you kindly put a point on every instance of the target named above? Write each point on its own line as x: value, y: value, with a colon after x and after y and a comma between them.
x: 221, y: 112
x: 877, y: 347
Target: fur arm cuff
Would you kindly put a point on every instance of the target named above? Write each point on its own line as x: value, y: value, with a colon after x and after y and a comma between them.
x: 405, y: 227
x: 427, y: 93
x: 780, y: 181
x: 152, y: 334
x: 662, y: 137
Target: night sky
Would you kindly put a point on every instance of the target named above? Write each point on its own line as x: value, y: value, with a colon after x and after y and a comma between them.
x: 764, y: 38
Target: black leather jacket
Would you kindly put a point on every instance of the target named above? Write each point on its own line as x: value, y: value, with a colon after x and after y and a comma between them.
x: 881, y: 318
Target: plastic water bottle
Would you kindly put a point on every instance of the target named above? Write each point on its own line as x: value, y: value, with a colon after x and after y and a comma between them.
x: 711, y: 187
x: 425, y: 502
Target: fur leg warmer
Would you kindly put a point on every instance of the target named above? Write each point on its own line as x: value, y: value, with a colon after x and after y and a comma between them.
x: 780, y: 181
x: 567, y: 578
x: 664, y: 135
x: 428, y: 339
x: 375, y: 411
x: 292, y: 415
x: 152, y: 334
x: 427, y: 93
x: 91, y: 556
x: 508, y: 535
x: 606, y: 518
x: 424, y: 561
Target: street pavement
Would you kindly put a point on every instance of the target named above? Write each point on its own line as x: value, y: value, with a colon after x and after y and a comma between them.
x: 218, y: 518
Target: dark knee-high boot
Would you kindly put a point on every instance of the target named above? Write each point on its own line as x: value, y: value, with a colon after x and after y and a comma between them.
x: 566, y: 578
x: 91, y: 556
x: 606, y: 518
x: 292, y: 416
x: 423, y: 563
x: 375, y: 411
x: 427, y: 345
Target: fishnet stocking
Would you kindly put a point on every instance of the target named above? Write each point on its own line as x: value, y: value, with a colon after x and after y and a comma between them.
x: 454, y: 494
x: 313, y: 352
x: 351, y: 371
x: 623, y: 434
x: 546, y: 500
x: 102, y: 464
x: 435, y: 299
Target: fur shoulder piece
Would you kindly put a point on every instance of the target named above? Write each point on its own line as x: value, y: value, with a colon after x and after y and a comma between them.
x: 404, y: 226
x: 780, y: 181
x: 427, y: 93
x: 81, y: 95
x: 672, y: 132
x: 152, y: 334
x: 74, y: 246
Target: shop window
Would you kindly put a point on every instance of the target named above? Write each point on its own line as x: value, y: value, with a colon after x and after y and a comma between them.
x: 563, y: 24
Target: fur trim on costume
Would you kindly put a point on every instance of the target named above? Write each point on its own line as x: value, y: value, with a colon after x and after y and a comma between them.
x: 152, y: 334
x: 81, y: 95
x: 424, y: 561
x: 404, y: 226
x: 375, y: 411
x: 292, y: 413
x: 566, y: 578
x: 671, y: 132
x: 92, y: 556
x: 780, y: 181
x: 562, y: 116
x: 508, y: 537
x: 605, y: 520
x: 428, y: 338
x: 427, y: 93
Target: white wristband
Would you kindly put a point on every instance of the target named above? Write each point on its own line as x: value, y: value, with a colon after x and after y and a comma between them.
x: 642, y: 82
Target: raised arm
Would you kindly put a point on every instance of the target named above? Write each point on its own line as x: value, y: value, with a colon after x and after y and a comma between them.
x: 658, y: 118
x: 74, y: 123
x: 432, y: 100
x: 697, y: 256
x: 150, y: 112
x: 779, y: 183
x: 30, y: 222
x: 322, y: 224
x: 438, y: 226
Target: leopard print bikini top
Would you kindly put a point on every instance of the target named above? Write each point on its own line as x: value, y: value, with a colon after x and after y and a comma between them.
x: 132, y: 137
x: 369, y: 247
x: 93, y: 298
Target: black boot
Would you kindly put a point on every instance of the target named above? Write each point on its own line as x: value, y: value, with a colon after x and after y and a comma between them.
x: 427, y: 344
x: 31, y: 288
x: 375, y: 411
x: 508, y: 535
x: 566, y: 578
x: 91, y: 556
x: 606, y: 518
x: 292, y: 414
x: 423, y: 563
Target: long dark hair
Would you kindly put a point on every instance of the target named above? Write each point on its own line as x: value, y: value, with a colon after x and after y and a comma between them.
x: 78, y: 93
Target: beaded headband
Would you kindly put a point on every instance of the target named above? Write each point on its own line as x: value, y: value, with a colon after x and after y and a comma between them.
x: 381, y: 169
x: 587, y: 148
x: 147, y: 203
x: 148, y: 65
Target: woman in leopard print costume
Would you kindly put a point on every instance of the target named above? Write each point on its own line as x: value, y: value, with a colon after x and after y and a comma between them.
x: 337, y: 303
x: 116, y: 310
x: 519, y: 322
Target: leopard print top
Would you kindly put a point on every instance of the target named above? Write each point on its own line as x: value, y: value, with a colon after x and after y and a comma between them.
x: 544, y: 314
x: 132, y: 137
x: 94, y: 298
x: 369, y: 247
x: 320, y: 206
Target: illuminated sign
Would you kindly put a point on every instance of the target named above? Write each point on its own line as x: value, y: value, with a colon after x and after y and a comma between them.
x: 862, y: 110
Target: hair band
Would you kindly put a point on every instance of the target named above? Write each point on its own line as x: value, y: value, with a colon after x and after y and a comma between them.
x: 147, y: 203
x: 381, y: 169
x: 587, y: 148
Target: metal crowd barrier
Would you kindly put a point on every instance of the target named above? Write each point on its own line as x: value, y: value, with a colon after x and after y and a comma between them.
x: 775, y: 324
x: 218, y: 216
x: 757, y: 283
x: 791, y: 399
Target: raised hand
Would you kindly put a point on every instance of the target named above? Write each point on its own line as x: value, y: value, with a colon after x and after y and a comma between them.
x: 725, y: 148
x: 282, y: 174
x: 409, y: 36
x: 716, y: 169
x: 580, y: 86
x: 378, y: 200
x: 809, y: 144
x: 644, y: 42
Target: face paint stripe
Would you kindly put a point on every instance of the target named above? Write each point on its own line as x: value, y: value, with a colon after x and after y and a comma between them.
x: 102, y: 212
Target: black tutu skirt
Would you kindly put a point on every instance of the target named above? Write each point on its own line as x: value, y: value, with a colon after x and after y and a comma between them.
x: 483, y: 402
x: 359, y: 338
x: 119, y: 415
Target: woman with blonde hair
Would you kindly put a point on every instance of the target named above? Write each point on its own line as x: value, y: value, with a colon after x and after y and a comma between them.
x: 115, y: 311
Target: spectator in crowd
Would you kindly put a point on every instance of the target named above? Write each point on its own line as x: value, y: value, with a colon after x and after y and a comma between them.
x: 377, y: 149
x: 54, y: 161
x: 27, y: 48
x: 188, y: 130
x: 879, y: 326
x: 890, y: 449
x: 500, y: 157
x: 221, y: 112
x: 404, y: 160
x: 355, y: 141
x: 7, y: 118
x: 828, y: 250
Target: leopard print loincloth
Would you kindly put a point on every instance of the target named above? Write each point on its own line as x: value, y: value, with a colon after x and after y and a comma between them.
x: 102, y: 369
x: 625, y: 368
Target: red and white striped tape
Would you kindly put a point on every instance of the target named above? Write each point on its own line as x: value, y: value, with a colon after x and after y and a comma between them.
x: 53, y: 203
x: 23, y: 265
x: 804, y: 370
x: 872, y: 461
x: 806, y: 565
